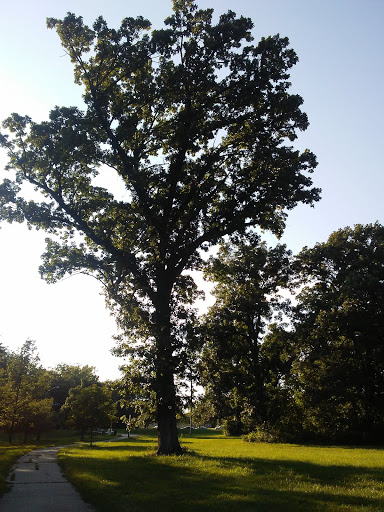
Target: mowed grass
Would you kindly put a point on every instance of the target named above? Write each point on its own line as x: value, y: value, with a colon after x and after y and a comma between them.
x: 8, y: 456
x: 219, y: 474
x: 10, y: 453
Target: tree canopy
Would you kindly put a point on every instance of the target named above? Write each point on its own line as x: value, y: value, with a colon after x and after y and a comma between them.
x: 339, y: 322
x: 248, y: 277
x: 24, y: 404
x: 90, y: 407
x: 65, y: 377
x: 197, y: 123
x: 319, y: 377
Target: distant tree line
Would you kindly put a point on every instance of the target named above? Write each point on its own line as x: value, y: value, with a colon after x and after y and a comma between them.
x: 34, y: 399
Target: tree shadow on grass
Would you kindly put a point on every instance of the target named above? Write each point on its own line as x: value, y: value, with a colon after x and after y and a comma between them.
x: 267, y: 486
x: 183, y: 437
x: 120, y: 448
x: 127, y: 441
x: 123, y: 445
x: 207, y: 483
x: 331, y: 475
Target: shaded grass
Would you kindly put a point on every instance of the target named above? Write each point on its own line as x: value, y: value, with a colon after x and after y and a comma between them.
x: 10, y: 453
x: 219, y: 473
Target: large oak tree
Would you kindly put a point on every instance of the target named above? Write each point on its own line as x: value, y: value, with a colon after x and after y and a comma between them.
x: 197, y: 123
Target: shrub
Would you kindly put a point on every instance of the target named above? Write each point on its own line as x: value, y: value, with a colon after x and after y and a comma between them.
x: 263, y: 434
x: 232, y: 427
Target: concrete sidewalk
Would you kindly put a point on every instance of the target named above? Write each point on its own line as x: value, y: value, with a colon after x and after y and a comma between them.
x: 38, y: 485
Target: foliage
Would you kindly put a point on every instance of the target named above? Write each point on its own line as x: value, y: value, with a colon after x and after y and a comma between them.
x: 66, y: 376
x: 204, y: 412
x: 339, y: 323
x: 197, y: 124
x: 90, y: 407
x: 279, y: 351
x: 3, y: 357
x: 23, y: 403
x: 321, y: 379
x: 135, y: 391
x: 232, y: 427
x: 248, y: 277
x: 263, y: 434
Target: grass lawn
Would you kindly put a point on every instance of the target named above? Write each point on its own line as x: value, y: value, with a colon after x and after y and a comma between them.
x: 220, y: 473
x: 10, y: 453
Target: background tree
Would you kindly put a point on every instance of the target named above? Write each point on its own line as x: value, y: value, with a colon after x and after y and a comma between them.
x: 339, y: 325
x: 65, y: 376
x: 191, y: 379
x: 90, y: 407
x: 197, y: 123
x: 278, y: 352
x: 3, y: 357
x: 248, y: 277
x: 36, y: 416
x: 23, y: 403
x: 205, y: 412
x: 137, y: 398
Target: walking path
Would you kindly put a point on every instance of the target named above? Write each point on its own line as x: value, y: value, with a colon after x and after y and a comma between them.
x: 38, y: 485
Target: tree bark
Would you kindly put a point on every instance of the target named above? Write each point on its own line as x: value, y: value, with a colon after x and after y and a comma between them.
x: 254, y: 329
x: 168, y: 441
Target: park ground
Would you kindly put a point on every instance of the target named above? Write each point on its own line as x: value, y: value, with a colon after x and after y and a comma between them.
x: 218, y: 473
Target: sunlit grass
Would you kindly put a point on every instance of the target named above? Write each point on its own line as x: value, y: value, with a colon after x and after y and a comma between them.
x: 8, y: 456
x: 10, y: 453
x: 219, y: 473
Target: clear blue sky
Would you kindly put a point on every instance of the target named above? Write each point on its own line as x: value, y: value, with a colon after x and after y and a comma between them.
x: 340, y: 74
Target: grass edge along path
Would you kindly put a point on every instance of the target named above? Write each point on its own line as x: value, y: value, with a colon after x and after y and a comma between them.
x: 9, y: 454
x: 226, y: 474
x: 8, y: 457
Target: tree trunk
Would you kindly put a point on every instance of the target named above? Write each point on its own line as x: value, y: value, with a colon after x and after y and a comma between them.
x: 191, y: 405
x: 254, y: 329
x: 168, y: 441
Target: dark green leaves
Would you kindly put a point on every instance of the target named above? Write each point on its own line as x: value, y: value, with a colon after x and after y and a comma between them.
x: 195, y: 124
x: 339, y: 326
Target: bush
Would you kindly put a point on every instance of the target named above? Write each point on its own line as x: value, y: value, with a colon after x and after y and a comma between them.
x: 232, y: 427
x: 263, y: 434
